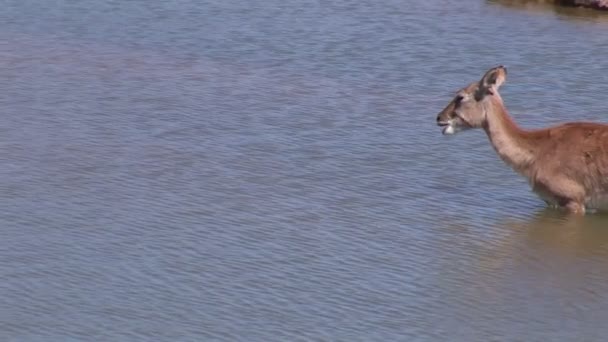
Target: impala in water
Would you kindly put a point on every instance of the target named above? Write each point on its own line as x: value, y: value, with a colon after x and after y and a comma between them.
x: 566, y: 165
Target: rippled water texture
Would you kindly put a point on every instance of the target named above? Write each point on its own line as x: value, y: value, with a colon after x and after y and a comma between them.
x: 271, y: 171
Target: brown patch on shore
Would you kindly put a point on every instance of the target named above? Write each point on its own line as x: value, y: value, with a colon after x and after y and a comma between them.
x: 593, y: 4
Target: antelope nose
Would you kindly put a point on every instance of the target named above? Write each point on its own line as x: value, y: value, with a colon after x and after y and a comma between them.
x: 438, y: 119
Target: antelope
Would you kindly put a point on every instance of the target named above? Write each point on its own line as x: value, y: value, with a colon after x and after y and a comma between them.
x: 566, y: 165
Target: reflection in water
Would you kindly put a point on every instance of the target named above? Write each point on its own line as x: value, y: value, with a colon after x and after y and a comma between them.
x: 566, y: 233
x: 546, y: 274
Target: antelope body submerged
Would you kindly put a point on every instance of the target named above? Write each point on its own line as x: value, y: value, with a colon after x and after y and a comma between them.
x: 566, y: 165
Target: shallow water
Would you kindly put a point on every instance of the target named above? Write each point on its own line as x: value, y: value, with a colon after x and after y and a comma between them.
x: 271, y: 171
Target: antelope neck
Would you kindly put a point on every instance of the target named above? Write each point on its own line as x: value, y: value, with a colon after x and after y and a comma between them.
x: 509, y: 141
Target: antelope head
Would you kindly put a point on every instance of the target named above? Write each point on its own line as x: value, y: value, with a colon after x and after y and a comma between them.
x: 472, y: 104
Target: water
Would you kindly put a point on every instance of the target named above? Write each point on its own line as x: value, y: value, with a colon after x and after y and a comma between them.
x: 271, y: 171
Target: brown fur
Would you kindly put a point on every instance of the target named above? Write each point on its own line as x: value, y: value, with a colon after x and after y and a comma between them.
x: 566, y: 165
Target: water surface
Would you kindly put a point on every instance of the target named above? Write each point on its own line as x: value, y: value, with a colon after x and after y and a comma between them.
x: 271, y: 171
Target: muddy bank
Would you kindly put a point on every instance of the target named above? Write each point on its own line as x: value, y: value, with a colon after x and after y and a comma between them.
x: 595, y: 4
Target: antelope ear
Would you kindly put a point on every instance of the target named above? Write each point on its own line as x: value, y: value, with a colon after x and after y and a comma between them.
x: 491, y: 81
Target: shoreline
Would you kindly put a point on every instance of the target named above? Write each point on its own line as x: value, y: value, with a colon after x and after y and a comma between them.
x: 601, y: 5
x: 596, y: 5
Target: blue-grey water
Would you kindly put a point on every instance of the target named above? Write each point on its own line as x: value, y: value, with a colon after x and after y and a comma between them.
x: 271, y: 171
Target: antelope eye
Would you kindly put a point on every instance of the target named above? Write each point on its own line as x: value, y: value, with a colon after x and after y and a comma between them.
x: 458, y: 99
